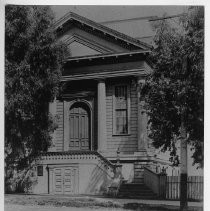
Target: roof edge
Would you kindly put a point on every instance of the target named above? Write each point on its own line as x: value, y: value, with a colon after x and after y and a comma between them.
x: 100, y: 27
x: 107, y: 55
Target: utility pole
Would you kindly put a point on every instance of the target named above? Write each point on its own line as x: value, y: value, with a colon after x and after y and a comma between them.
x: 183, y: 176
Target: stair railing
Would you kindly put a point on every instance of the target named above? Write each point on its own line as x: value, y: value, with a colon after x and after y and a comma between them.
x: 155, y: 181
x: 117, y: 181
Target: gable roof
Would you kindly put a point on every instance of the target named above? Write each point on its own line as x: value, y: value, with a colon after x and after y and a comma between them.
x: 71, y: 18
x: 139, y: 28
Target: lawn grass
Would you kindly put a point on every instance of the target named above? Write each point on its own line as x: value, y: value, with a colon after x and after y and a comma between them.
x: 88, y: 202
x: 58, y: 201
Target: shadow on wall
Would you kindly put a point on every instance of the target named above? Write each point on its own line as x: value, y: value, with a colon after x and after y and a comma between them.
x: 99, y: 181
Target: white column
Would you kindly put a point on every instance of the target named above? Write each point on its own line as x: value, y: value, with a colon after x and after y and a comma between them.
x: 102, y: 145
x: 142, y: 120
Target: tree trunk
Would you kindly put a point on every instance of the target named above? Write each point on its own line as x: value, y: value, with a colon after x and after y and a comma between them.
x: 183, y: 185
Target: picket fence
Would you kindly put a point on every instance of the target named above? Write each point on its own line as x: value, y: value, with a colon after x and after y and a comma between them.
x: 194, y: 187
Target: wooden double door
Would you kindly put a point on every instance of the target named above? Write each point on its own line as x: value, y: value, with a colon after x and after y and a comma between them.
x: 66, y: 180
x: 79, y: 123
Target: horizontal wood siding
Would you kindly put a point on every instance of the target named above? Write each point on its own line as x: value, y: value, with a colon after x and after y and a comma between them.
x: 127, y: 143
x: 59, y: 130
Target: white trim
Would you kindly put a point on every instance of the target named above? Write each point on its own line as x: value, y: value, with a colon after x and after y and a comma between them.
x: 130, y: 53
x: 102, y: 133
x: 110, y: 74
x: 58, y: 165
x: 113, y: 109
x: 66, y: 126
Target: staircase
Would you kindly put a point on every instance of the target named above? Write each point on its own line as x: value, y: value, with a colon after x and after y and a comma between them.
x: 138, y: 173
x: 136, y: 191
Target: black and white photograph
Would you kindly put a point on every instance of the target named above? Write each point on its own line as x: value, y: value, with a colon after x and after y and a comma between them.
x: 103, y: 107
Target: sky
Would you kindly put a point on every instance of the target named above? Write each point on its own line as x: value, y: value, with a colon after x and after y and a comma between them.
x: 107, y: 13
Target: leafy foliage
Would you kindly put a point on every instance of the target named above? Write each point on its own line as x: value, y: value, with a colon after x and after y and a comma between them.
x: 33, y: 64
x: 175, y: 90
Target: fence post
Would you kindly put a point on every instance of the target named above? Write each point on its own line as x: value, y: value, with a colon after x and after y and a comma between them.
x: 162, y: 185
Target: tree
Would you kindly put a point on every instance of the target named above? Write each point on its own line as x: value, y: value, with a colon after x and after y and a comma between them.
x: 33, y: 64
x: 174, y: 93
x: 177, y: 82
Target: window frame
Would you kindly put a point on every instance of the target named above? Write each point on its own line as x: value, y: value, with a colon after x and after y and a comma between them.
x: 114, y: 129
x: 40, y: 170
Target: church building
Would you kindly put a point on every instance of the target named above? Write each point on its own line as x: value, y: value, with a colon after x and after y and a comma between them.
x: 102, y: 126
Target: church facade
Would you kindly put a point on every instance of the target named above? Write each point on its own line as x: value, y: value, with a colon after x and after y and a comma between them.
x: 101, y: 121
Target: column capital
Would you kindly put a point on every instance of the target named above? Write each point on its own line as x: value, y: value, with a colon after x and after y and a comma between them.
x: 100, y: 80
x: 140, y: 81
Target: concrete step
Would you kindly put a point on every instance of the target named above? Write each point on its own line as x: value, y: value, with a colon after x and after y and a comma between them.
x: 138, y: 177
x: 136, y: 190
x: 138, y: 174
x: 139, y: 193
x: 137, y: 197
x: 138, y: 180
x: 138, y: 169
x: 134, y: 186
x: 142, y: 190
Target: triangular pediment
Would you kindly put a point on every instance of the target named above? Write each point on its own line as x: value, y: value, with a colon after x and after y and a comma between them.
x: 82, y: 44
x: 85, y: 37
x: 77, y: 49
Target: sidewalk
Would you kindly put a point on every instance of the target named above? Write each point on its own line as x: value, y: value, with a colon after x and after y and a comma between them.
x: 151, y: 202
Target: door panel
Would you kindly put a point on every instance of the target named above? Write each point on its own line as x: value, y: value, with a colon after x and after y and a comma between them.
x: 58, y: 181
x: 66, y: 180
x: 79, y: 127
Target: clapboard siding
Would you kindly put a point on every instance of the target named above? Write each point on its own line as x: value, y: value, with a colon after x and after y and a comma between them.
x: 59, y: 130
x: 127, y: 143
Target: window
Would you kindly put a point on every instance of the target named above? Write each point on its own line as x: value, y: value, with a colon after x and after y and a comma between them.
x: 39, y: 170
x: 121, y: 110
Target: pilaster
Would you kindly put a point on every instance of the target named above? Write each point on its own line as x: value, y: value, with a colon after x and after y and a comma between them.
x: 102, y: 139
x: 142, y: 121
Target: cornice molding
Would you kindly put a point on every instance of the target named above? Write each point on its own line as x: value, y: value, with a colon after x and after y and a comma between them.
x: 108, y: 55
x: 71, y: 17
x: 108, y: 74
x: 78, y: 95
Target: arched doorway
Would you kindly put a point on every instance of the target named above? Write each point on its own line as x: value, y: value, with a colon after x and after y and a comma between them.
x: 79, y: 123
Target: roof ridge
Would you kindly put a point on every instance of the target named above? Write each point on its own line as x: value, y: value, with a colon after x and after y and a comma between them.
x: 70, y: 15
